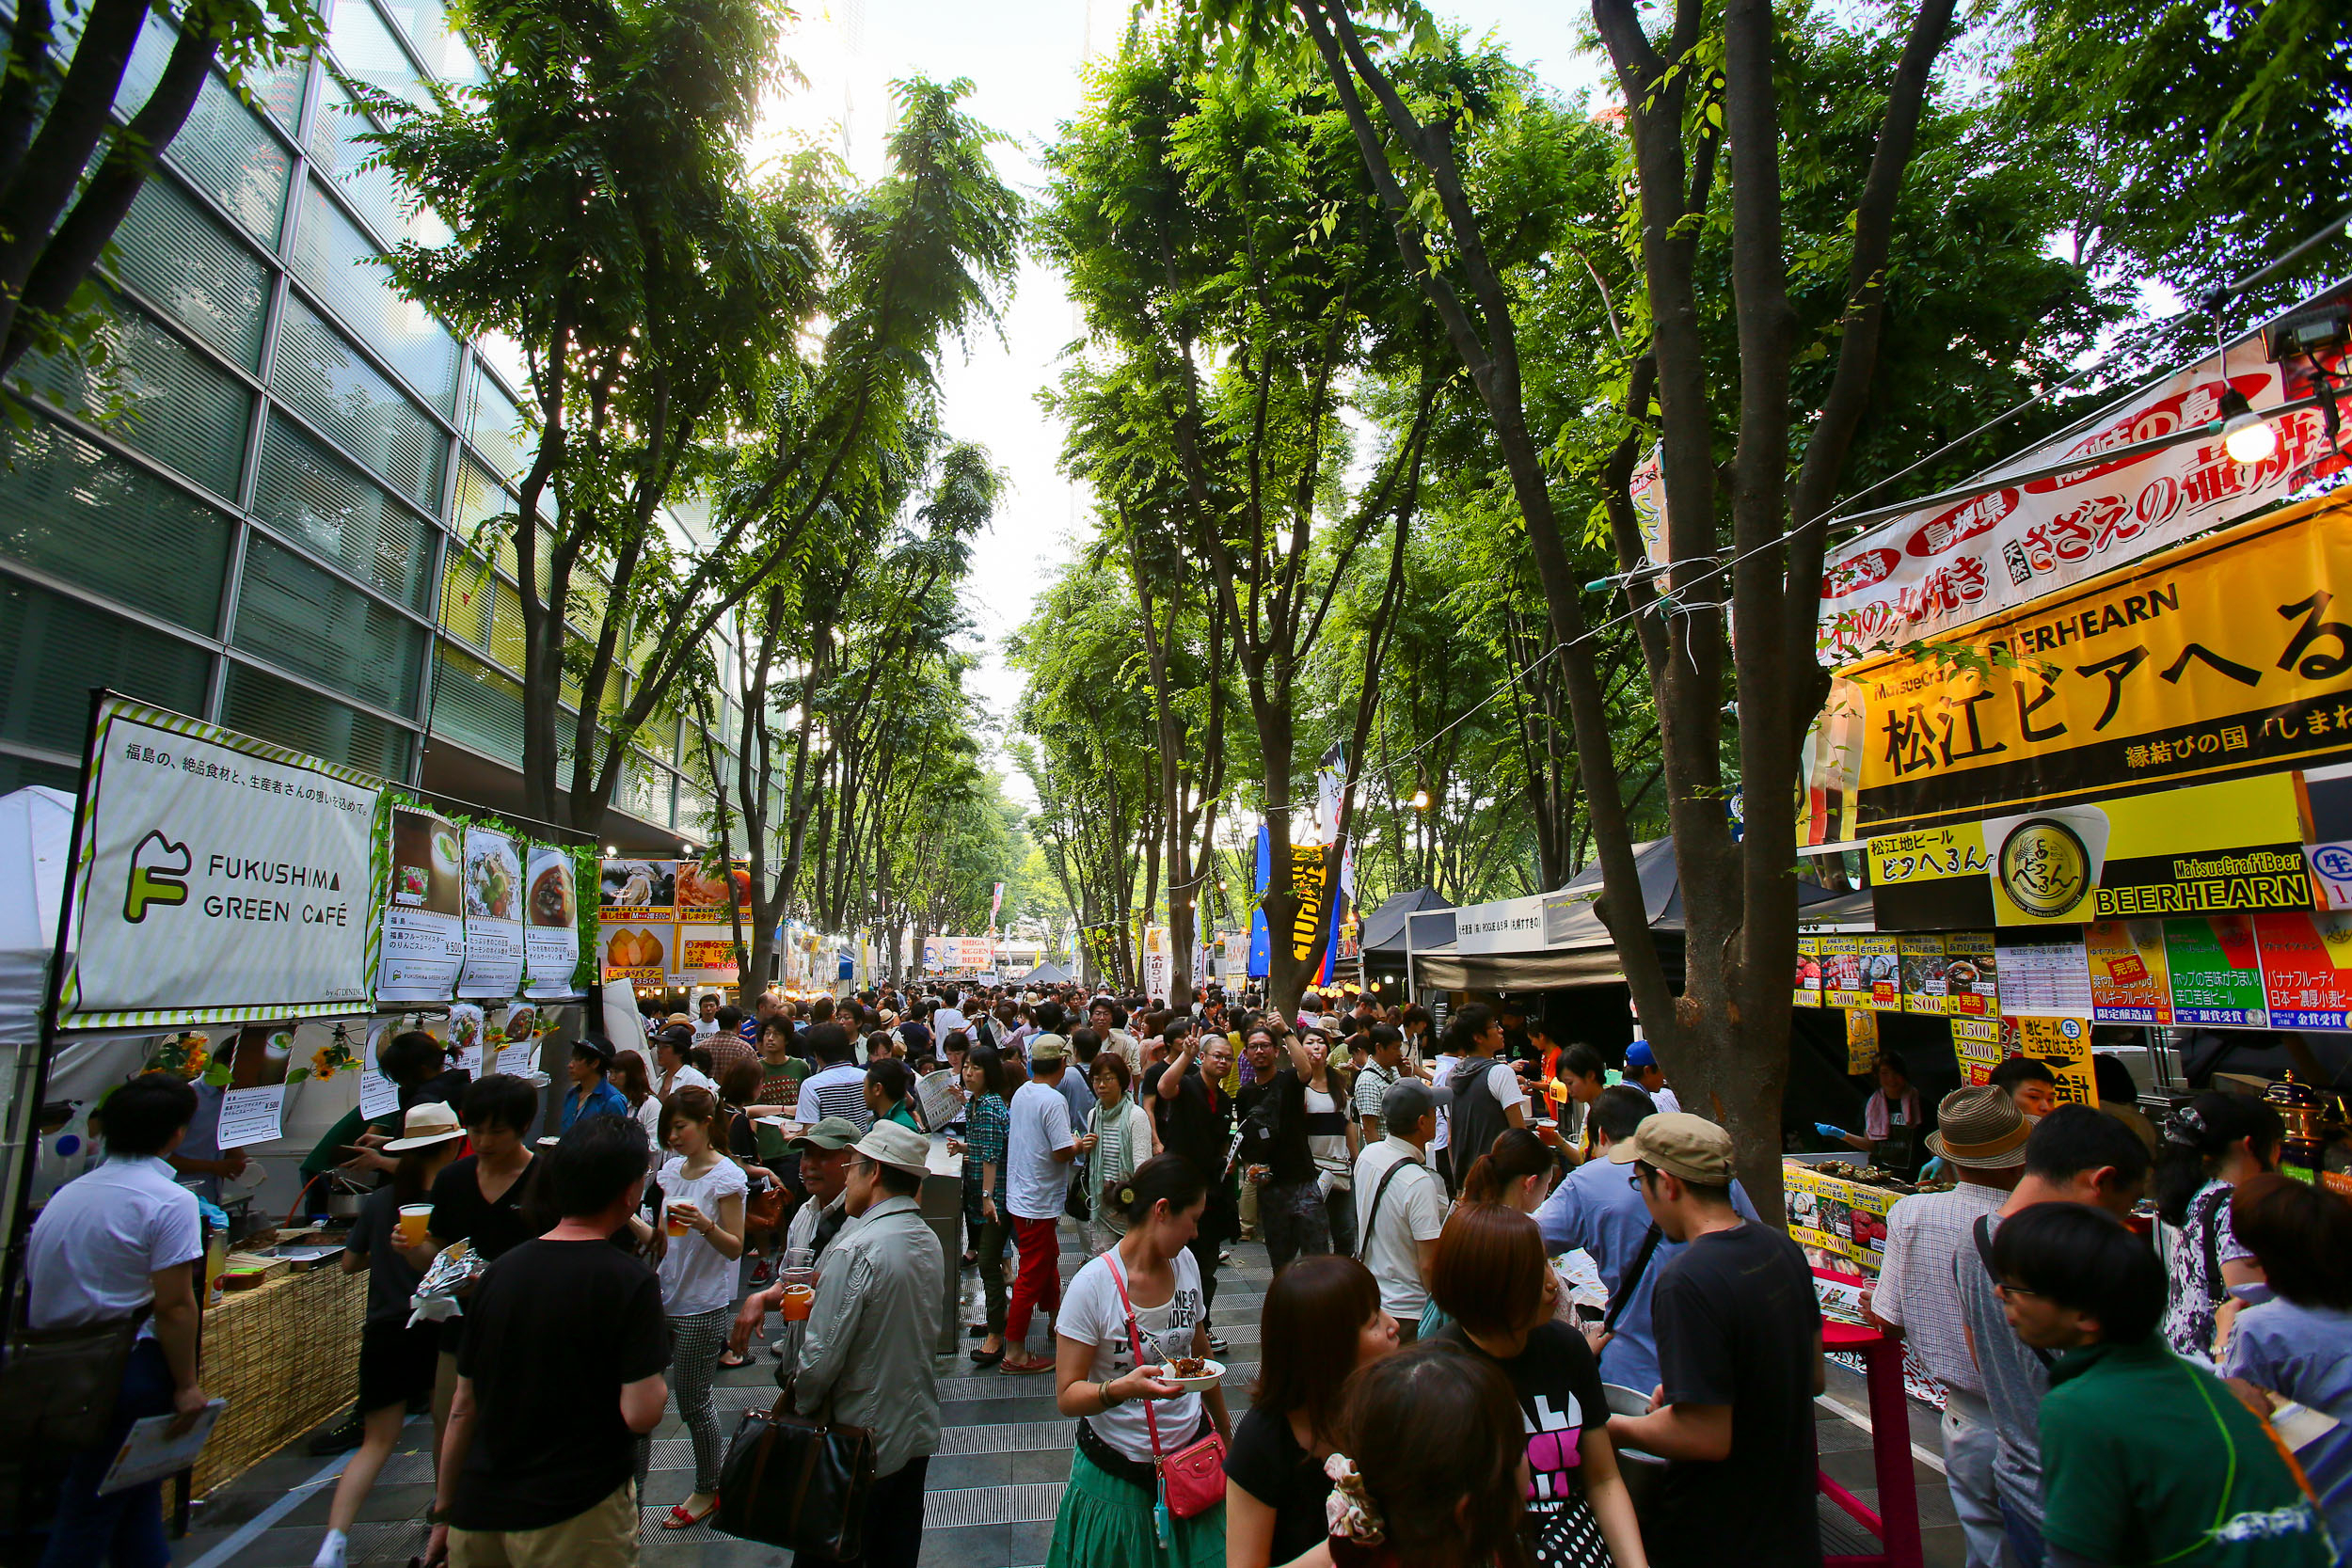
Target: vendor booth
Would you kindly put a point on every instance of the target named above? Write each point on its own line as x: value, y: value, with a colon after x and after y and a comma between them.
x: 256, y: 920
x: 1383, y: 946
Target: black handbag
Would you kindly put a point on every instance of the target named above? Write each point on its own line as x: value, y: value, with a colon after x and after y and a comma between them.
x: 793, y: 1482
x: 1074, y: 1201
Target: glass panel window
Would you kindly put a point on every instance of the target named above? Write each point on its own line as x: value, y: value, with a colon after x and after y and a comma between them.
x: 331, y: 509
x: 495, y: 425
x: 467, y: 590
x: 365, y: 48
x: 476, y: 706
x: 262, y: 705
x: 278, y: 88
x: 182, y: 409
x: 227, y: 153
x: 178, y: 255
x: 54, y: 649
x: 327, y: 379
x: 312, y: 621
x: 334, y: 257
x: 338, y: 152
x: 442, y: 48
x: 86, y: 515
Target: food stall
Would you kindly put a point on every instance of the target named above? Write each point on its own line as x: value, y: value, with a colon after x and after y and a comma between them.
x: 256, y: 920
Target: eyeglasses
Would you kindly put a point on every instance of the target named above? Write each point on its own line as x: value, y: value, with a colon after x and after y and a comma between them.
x: 2006, y: 1290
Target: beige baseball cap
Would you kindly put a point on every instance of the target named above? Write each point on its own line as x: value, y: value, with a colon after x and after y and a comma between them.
x: 1679, y: 1144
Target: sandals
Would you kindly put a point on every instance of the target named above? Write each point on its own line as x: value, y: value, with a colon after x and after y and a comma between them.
x: 1025, y: 1367
x: 988, y: 1357
x: 679, y: 1519
x: 736, y: 1361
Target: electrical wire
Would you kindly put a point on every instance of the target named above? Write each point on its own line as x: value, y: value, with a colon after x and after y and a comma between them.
x: 2210, y: 303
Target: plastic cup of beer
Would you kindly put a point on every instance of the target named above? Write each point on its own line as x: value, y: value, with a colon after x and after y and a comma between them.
x: 674, y: 1220
x: 798, y: 1301
x: 413, y: 1218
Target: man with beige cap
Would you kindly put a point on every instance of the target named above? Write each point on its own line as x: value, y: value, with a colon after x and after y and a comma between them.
x: 1981, y: 1136
x: 1739, y: 1362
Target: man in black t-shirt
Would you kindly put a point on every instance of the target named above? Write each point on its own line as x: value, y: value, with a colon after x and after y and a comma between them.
x: 1274, y: 1151
x: 539, y: 1458
x: 1739, y: 1362
x: 1196, y: 1120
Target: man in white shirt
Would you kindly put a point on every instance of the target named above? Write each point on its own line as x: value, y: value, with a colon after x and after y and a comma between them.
x: 1039, y: 1147
x: 708, y: 1023
x: 1400, y: 1203
x: 671, y: 1072
x: 124, y: 1242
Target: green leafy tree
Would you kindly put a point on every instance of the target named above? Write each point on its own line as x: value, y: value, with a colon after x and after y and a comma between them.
x: 64, y: 77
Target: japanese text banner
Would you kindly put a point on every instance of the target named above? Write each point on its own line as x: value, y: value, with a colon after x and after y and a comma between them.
x: 2228, y: 656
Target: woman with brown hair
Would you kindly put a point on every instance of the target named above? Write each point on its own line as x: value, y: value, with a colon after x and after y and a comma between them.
x: 635, y: 1082
x: 1275, y: 1486
x: 1430, y: 1475
x: 1516, y: 1172
x: 1492, y: 1278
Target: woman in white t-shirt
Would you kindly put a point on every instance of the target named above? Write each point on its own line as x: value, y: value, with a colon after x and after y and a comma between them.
x: 702, y: 1195
x: 1107, y: 1513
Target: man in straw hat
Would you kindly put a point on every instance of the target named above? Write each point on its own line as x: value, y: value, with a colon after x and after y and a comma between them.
x: 866, y: 1355
x: 1981, y: 1138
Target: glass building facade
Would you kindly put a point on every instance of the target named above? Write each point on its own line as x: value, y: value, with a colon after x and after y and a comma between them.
x: 273, y: 535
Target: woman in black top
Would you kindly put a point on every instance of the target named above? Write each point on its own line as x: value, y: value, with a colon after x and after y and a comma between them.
x: 1274, y: 1480
x: 1491, y: 1277
x: 396, y: 1361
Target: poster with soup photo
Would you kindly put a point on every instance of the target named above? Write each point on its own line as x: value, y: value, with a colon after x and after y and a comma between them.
x: 551, y: 925
x: 494, y: 917
x: 424, y: 927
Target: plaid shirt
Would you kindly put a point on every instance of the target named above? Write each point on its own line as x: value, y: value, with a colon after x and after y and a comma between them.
x: 1925, y: 1234
x: 985, y: 1122
x: 1371, y: 1085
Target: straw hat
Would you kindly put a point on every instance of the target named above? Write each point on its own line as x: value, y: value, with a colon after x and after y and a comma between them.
x: 432, y: 1122
x: 1980, y: 1126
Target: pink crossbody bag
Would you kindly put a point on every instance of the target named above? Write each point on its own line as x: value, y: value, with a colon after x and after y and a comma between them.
x: 1192, y: 1479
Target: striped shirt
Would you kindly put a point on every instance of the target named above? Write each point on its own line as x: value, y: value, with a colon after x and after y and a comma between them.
x: 839, y: 1091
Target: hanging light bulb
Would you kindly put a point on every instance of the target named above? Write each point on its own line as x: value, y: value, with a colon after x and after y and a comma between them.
x: 1420, y: 799
x: 2246, y: 435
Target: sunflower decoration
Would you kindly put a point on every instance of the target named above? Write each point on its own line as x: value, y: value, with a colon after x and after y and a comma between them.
x: 328, y: 1059
x: 187, y: 1054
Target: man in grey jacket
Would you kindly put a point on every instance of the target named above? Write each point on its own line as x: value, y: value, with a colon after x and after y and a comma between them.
x: 866, y: 1357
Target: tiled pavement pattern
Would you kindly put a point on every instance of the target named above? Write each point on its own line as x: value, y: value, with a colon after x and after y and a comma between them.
x: 994, y: 1485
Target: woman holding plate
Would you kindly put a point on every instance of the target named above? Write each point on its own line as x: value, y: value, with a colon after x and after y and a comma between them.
x: 1144, y: 1293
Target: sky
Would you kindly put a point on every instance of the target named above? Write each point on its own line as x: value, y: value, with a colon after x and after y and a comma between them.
x: 1025, y: 59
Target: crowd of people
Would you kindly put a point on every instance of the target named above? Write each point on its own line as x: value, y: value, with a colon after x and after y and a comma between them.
x: 1430, y: 1394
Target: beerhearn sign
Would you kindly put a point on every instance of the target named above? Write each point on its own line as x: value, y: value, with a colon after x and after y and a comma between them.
x: 217, y: 878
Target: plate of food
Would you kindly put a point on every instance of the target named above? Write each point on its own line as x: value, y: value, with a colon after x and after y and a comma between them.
x: 1191, y: 1373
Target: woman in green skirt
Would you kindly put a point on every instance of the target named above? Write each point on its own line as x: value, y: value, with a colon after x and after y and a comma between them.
x: 1146, y: 1290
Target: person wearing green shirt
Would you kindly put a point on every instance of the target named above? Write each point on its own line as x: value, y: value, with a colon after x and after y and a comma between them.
x: 2145, y: 1458
x: 888, y: 1082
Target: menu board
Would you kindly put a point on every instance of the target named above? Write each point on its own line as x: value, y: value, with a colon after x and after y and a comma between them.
x: 1862, y: 1040
x: 494, y: 917
x: 2129, y: 981
x: 2216, y: 972
x: 665, y: 921
x: 2307, y: 968
x: 467, y: 1031
x: 551, y: 928
x: 1842, y: 984
x: 1924, y: 988
x: 424, y: 927
x: 1808, y: 992
x: 2044, y: 979
x: 2064, y: 1045
x: 379, y: 1096
x: 1976, y: 1047
x: 1971, y: 981
x: 255, y: 1099
x: 1881, y: 972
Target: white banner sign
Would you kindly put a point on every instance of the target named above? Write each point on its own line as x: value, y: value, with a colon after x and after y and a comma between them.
x: 220, y: 879
x: 1928, y: 573
x: 494, y: 917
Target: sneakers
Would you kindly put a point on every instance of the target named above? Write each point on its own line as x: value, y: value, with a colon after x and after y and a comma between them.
x: 343, y: 1435
x: 1216, y: 1341
x: 761, y: 1273
x: 334, y: 1552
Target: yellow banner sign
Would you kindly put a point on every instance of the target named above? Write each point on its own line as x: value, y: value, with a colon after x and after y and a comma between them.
x: 2224, y: 657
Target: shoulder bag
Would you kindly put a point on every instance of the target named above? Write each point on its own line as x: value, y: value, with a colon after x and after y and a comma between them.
x: 1372, y: 1219
x: 793, y: 1482
x: 1192, y: 1479
x: 60, y: 1385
